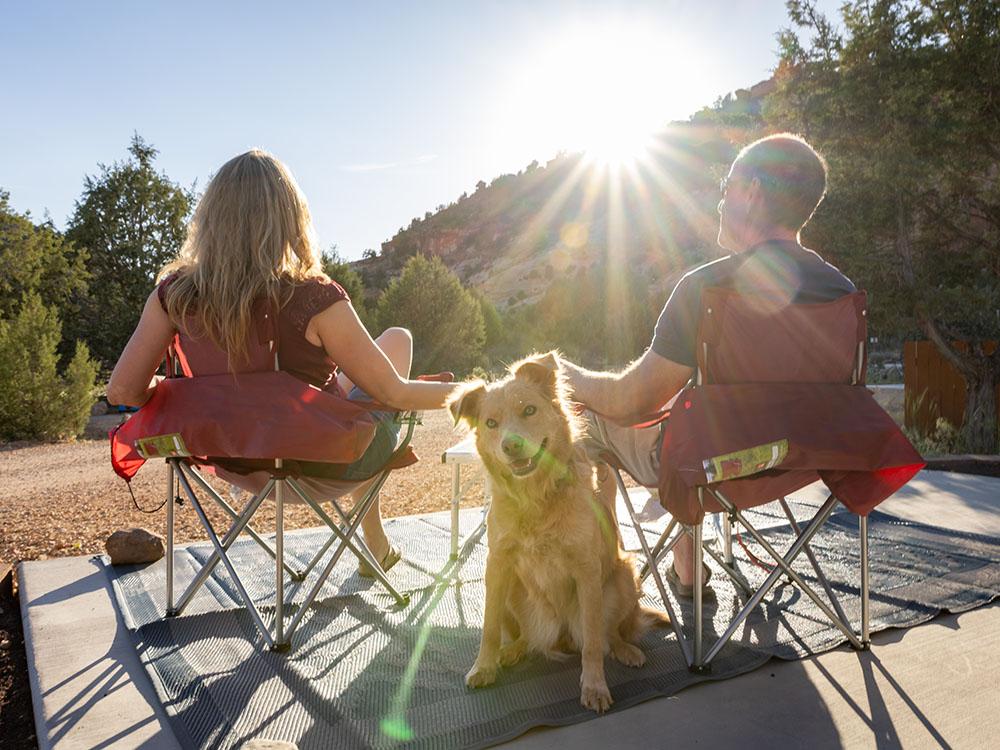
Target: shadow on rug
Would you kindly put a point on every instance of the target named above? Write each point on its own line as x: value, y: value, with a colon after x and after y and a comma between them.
x: 365, y: 674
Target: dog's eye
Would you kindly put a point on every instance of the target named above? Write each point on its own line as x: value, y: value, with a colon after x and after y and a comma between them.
x: 529, y: 410
x: 491, y: 423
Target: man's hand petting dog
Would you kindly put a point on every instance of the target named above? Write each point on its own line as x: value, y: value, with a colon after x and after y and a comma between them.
x: 557, y: 579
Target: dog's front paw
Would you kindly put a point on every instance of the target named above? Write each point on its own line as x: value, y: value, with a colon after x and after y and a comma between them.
x: 481, y: 675
x: 627, y: 654
x: 596, y: 696
x: 513, y: 652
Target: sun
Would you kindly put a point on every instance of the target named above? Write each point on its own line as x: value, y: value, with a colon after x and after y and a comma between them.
x: 602, y: 91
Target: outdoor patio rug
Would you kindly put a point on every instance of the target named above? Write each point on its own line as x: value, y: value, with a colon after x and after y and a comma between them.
x: 365, y: 674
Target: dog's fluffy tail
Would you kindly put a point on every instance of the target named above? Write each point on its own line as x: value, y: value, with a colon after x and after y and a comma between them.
x: 653, y: 618
x: 642, y: 620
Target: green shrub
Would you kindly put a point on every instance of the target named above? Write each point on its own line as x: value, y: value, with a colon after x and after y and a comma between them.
x: 35, y: 401
x: 944, y: 439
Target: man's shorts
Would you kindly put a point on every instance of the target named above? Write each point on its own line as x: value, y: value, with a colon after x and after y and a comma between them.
x: 637, y: 449
x: 382, y: 445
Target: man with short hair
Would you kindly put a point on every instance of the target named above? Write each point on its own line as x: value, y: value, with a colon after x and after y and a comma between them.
x: 773, y: 188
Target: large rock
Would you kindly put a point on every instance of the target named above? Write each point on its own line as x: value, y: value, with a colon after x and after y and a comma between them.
x: 134, y: 546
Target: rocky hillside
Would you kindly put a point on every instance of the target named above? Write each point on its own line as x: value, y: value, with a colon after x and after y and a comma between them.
x: 512, y: 237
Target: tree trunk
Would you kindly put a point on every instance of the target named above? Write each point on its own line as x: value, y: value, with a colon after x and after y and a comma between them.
x: 979, y: 429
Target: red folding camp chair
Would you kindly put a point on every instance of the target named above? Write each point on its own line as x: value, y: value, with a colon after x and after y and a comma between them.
x: 204, y: 417
x: 778, y: 401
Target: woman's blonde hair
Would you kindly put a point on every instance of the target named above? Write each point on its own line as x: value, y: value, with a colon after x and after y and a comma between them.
x: 250, y: 232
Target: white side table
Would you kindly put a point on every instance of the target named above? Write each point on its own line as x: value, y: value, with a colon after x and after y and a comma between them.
x: 462, y: 453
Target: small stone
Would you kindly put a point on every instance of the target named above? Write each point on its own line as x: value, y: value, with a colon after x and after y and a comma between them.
x: 134, y: 546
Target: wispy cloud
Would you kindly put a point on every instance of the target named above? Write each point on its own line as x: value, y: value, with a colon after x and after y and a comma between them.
x: 377, y: 166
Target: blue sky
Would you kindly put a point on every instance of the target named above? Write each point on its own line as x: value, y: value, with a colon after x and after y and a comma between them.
x: 382, y: 110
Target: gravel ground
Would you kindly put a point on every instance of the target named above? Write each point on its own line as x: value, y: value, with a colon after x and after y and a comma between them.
x: 63, y: 499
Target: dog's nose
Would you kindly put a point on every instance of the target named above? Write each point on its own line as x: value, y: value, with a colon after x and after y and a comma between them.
x: 512, y: 445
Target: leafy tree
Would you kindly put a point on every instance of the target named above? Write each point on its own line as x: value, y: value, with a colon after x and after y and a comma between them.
x: 905, y: 103
x: 445, y: 319
x: 131, y: 219
x: 35, y: 401
x: 496, y: 335
x: 340, y: 271
x: 37, y: 259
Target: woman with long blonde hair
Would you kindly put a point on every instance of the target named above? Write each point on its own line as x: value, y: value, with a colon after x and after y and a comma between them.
x: 250, y: 248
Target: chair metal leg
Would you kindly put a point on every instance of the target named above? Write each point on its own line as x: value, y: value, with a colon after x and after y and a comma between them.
x: 783, y: 565
x: 727, y: 539
x: 865, y: 611
x: 658, y: 549
x: 280, y: 644
x: 171, y: 612
x: 685, y: 648
x: 815, y: 563
x: 456, y: 497
x: 231, y: 512
x: 699, y: 601
x: 220, y: 550
x: 345, y: 537
x: 227, y: 541
x: 346, y: 519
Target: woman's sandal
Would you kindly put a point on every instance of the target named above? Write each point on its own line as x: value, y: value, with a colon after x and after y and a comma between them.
x: 392, y: 557
x: 685, y: 590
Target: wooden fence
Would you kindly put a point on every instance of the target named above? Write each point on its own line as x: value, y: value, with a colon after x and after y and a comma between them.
x: 933, y: 387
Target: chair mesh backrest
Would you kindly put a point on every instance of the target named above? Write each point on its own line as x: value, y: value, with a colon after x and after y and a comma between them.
x: 757, y: 339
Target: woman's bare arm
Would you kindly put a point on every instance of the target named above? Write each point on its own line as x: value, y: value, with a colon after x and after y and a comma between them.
x: 349, y: 345
x: 134, y: 377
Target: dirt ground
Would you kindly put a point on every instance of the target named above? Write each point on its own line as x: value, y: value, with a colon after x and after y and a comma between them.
x: 63, y: 499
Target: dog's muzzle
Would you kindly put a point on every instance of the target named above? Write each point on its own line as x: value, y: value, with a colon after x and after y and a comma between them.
x: 521, y: 467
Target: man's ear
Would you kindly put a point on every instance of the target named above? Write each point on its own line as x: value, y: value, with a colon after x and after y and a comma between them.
x: 464, y: 404
x: 542, y: 369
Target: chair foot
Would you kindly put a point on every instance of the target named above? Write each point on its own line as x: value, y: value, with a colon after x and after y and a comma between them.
x: 172, y: 613
x: 403, y: 601
x: 701, y: 669
x: 865, y: 646
x: 281, y: 648
x: 298, y: 576
x: 453, y: 556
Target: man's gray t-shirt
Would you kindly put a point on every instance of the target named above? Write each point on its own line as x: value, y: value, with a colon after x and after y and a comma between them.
x: 776, y: 267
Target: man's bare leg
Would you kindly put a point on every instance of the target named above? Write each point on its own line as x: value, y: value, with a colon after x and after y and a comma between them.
x: 684, y: 560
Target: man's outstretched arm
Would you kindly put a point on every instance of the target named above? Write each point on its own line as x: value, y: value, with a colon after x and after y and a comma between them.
x: 636, y: 392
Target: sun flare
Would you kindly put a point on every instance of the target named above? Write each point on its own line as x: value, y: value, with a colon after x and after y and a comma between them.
x: 602, y: 91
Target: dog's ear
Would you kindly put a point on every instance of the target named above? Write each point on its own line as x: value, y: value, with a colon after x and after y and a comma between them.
x: 464, y: 403
x: 542, y: 369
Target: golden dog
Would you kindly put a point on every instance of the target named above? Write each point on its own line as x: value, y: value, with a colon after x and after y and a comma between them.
x: 557, y: 579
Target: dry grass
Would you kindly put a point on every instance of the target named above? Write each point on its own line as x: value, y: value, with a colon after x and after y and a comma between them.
x: 63, y: 499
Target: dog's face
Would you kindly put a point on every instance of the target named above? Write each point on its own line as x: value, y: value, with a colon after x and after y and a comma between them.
x: 523, y: 428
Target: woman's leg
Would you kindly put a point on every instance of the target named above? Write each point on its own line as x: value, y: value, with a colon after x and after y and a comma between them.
x: 397, y: 343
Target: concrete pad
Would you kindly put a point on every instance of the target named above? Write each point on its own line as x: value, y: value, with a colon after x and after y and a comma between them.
x: 935, y: 684
x: 88, y: 688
